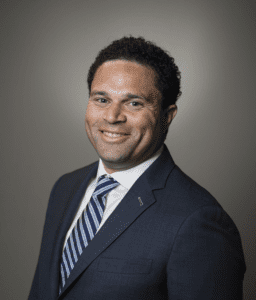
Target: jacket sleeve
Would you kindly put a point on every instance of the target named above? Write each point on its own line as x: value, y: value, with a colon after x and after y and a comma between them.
x: 206, y: 261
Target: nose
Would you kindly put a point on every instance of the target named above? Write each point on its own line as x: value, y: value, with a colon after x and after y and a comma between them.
x: 114, y: 114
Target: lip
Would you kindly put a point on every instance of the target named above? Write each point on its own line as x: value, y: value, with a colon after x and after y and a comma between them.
x: 113, y: 136
x: 113, y: 131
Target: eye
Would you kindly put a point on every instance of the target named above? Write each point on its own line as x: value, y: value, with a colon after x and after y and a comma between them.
x: 135, y: 104
x: 101, y: 100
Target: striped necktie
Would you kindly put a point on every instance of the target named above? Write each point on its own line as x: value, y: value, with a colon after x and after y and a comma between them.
x: 85, y: 228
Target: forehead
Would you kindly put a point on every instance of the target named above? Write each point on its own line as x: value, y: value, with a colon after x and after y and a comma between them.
x: 123, y: 65
x: 127, y: 75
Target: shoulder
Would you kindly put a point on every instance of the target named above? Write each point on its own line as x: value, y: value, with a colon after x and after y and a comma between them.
x: 187, y: 192
x: 79, y: 173
x: 189, y: 203
x: 67, y: 185
x: 72, y: 180
x: 195, y: 209
x: 168, y: 181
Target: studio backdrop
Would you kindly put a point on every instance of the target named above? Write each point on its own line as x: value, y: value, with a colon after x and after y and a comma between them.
x: 47, y: 48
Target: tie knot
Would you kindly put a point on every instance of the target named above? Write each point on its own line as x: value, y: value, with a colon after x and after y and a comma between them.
x: 105, y: 185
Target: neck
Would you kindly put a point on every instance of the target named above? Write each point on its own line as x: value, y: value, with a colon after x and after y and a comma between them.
x: 112, y: 167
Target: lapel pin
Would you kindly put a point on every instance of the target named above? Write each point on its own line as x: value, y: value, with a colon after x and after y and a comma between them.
x: 141, y: 203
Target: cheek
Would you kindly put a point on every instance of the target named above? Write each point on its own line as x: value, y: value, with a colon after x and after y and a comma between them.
x: 91, y: 117
x: 148, y: 123
x: 90, y: 129
x: 152, y: 132
x: 144, y: 128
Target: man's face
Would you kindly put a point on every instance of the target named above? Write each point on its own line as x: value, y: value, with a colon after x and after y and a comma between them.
x: 124, y: 120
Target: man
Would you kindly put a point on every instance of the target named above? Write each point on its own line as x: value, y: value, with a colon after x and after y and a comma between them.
x: 133, y: 225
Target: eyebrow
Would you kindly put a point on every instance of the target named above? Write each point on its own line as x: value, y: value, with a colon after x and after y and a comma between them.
x: 98, y: 93
x: 128, y: 95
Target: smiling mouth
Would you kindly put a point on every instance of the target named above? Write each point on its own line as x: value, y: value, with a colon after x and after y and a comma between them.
x: 111, y: 134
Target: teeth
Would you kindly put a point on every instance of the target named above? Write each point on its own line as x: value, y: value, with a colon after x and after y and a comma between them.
x: 112, y: 134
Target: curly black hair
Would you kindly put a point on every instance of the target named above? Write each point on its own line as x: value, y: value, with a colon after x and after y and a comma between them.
x: 148, y: 54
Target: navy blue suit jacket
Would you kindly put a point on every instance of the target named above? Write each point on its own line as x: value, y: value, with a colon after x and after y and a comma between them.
x: 176, y: 243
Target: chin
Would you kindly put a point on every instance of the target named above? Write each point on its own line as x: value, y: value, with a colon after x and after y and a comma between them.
x: 113, y: 160
x: 118, y: 162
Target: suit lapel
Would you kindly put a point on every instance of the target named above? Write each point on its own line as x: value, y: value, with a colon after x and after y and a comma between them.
x: 69, y: 209
x: 137, y: 200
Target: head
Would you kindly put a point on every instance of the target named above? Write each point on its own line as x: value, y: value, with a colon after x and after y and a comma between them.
x: 133, y: 88
x: 167, y: 75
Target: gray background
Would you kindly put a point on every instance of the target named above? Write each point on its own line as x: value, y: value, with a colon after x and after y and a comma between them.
x: 46, y: 50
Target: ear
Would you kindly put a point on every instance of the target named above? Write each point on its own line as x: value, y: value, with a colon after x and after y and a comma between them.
x: 170, y: 112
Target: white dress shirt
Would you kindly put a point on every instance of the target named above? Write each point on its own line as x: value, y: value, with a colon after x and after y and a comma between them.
x: 126, y: 179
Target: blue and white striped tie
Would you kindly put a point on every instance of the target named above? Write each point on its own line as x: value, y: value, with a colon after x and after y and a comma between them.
x: 85, y: 228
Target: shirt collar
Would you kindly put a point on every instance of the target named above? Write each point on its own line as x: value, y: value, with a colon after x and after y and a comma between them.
x: 128, y: 177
